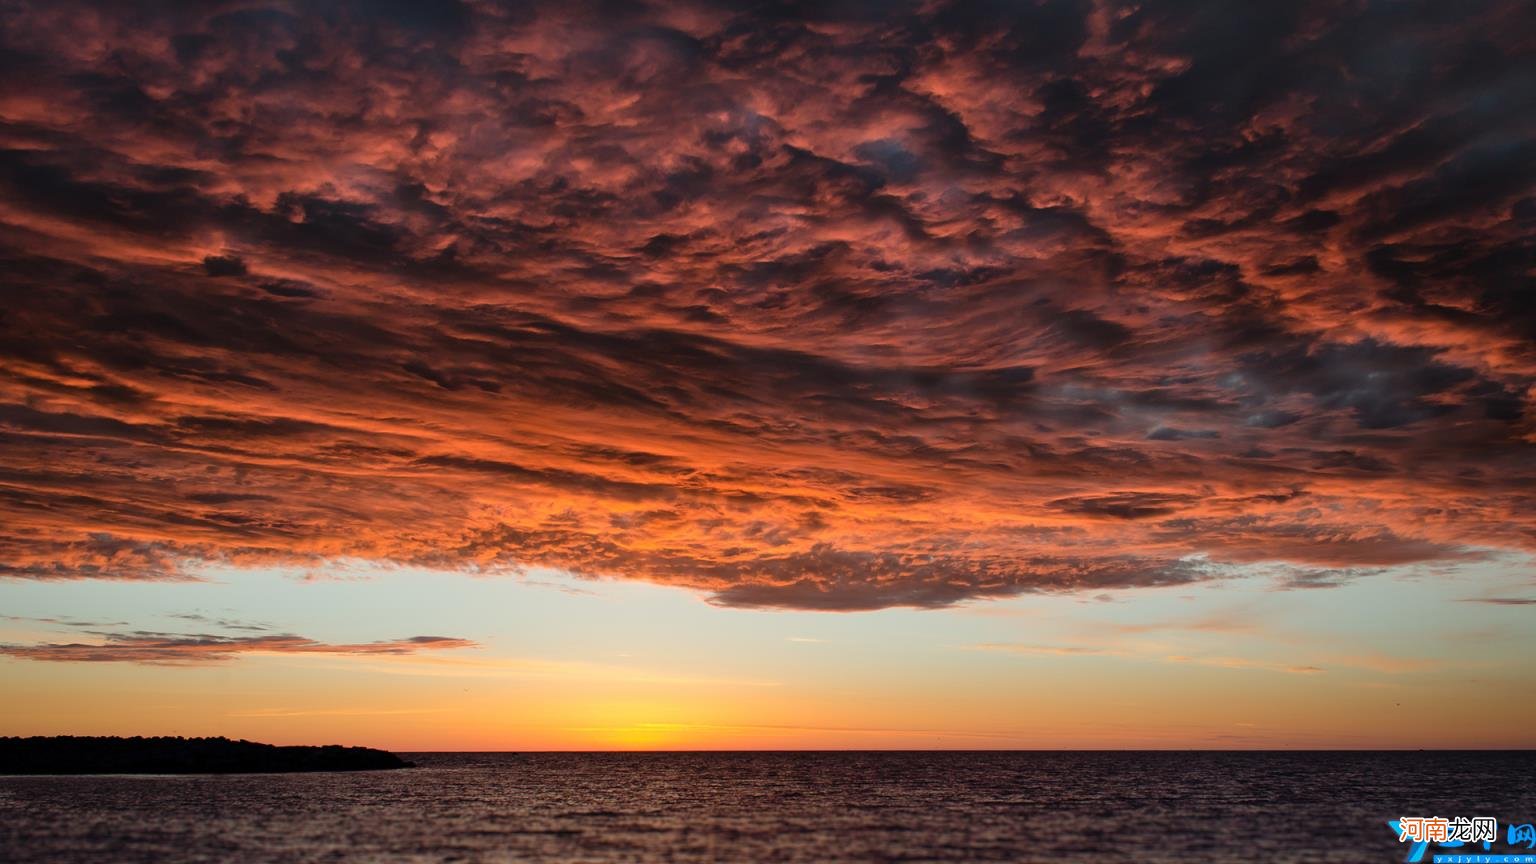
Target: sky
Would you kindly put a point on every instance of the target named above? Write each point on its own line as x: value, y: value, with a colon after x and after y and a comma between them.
x: 573, y: 375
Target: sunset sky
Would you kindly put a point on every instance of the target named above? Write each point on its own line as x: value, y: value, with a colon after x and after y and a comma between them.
x: 605, y: 376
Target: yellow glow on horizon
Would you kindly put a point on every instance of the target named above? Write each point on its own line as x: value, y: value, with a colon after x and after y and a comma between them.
x: 640, y: 736
x: 641, y: 668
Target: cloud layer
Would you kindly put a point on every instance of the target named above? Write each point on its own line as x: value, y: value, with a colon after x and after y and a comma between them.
x: 837, y: 306
x: 175, y: 649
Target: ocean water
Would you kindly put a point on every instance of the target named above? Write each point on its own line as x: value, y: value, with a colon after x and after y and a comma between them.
x: 811, y: 807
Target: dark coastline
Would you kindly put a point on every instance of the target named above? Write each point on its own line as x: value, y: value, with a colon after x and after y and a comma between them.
x: 169, y: 755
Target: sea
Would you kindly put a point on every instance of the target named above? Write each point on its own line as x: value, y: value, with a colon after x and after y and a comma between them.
x: 780, y: 807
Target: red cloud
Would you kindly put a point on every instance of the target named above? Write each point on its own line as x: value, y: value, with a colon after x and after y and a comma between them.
x: 902, y: 309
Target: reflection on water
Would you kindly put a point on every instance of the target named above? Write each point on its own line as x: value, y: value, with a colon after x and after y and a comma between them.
x: 1145, y: 807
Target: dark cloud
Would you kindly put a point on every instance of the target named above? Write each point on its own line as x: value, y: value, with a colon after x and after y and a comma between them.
x: 831, y: 306
x: 1170, y: 433
x: 224, y: 265
x: 1124, y: 505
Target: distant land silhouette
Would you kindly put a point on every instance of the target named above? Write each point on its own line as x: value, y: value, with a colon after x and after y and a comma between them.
x: 68, y: 754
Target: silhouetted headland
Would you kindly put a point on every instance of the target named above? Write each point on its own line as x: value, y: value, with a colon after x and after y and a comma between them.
x: 109, y: 755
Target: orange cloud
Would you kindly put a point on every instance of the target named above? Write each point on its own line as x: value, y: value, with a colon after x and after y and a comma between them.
x: 880, y: 310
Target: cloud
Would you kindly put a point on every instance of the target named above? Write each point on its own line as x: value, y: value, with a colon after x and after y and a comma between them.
x: 224, y: 623
x: 72, y: 623
x: 1297, y: 665
x: 171, y: 649
x: 1222, y: 662
x: 1124, y: 505
x: 224, y: 265
x: 831, y: 309
x: 1050, y: 650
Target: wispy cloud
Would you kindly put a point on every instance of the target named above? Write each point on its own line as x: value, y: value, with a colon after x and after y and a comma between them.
x: 224, y: 623
x: 72, y: 623
x: 280, y: 713
x: 1049, y: 650
x: 1304, y: 661
x: 447, y: 666
x: 191, y: 649
x: 1142, y: 653
x: 1246, y: 663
